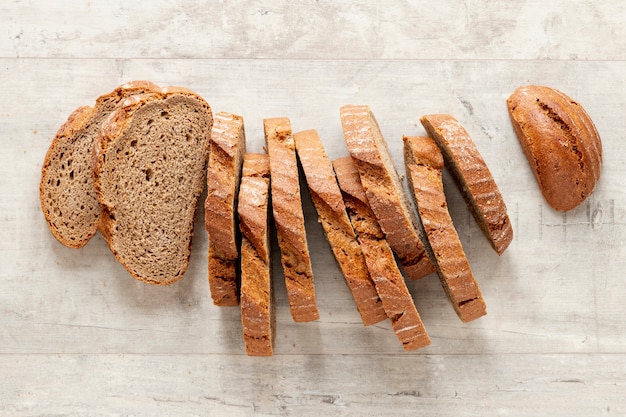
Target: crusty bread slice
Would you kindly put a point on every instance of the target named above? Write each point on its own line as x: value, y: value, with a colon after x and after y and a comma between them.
x: 381, y: 264
x: 228, y: 145
x: 384, y: 190
x: 424, y: 165
x: 289, y: 219
x: 332, y: 215
x: 257, y: 307
x: 67, y: 194
x: 473, y: 177
x: 149, y: 174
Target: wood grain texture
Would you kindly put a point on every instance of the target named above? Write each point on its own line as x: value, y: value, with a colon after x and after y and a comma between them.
x: 79, y: 337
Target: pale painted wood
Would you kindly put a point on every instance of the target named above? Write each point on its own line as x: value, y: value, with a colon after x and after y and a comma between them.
x: 80, y: 337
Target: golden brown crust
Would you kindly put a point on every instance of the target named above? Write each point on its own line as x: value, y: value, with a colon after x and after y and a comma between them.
x: 560, y: 142
x: 332, y: 215
x: 394, y: 294
x: 228, y: 145
x: 289, y: 220
x: 473, y: 177
x: 424, y: 164
x: 384, y: 190
x: 257, y: 308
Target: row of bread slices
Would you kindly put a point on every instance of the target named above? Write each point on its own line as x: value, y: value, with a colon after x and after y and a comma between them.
x: 133, y: 167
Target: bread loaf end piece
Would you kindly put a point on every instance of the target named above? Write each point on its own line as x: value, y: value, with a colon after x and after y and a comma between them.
x: 289, y: 219
x: 560, y: 142
x: 384, y: 190
x: 149, y: 174
x: 380, y: 261
x: 228, y: 145
x: 473, y: 178
x: 257, y: 307
x: 68, y: 197
x: 332, y: 215
x: 424, y: 165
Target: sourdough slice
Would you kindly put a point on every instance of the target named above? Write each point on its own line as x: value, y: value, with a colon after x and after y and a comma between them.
x: 67, y: 194
x: 332, y: 215
x: 228, y: 145
x: 424, y: 165
x: 149, y: 174
x: 289, y: 219
x: 257, y: 308
x: 473, y: 177
x: 393, y: 292
x: 384, y: 190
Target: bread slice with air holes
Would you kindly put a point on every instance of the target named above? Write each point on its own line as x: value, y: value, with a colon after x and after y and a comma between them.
x: 383, y: 188
x: 473, y: 177
x: 289, y: 219
x: 68, y: 197
x: 257, y: 304
x: 424, y: 165
x: 332, y: 215
x: 381, y: 264
x: 228, y: 145
x: 149, y: 173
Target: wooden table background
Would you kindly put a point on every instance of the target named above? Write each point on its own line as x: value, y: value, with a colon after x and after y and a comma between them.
x: 79, y: 337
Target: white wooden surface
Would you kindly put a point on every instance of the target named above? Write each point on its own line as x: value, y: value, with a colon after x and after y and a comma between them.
x: 79, y: 337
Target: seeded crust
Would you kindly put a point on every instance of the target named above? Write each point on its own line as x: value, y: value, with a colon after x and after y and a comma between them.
x: 473, y: 178
x: 332, y: 215
x: 560, y: 142
x: 257, y: 307
x: 289, y: 220
x: 149, y: 174
x: 228, y: 145
x: 380, y: 261
x: 384, y: 190
x: 67, y: 193
x: 424, y: 165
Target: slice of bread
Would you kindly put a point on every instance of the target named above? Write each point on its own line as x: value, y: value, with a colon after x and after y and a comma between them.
x: 332, y: 215
x: 67, y: 194
x: 473, y: 177
x: 228, y: 145
x: 289, y: 219
x: 384, y: 190
x: 381, y: 264
x: 424, y: 165
x: 149, y: 174
x: 257, y: 308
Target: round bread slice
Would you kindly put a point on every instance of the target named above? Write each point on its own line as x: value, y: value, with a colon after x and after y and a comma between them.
x: 68, y: 197
x: 149, y: 173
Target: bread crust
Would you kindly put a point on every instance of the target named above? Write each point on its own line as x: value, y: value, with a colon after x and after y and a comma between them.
x: 560, y: 142
x: 424, y: 165
x: 332, y: 215
x: 257, y: 306
x: 289, y: 220
x: 473, y: 177
x: 394, y: 294
x: 67, y: 194
x: 228, y: 145
x: 384, y: 190
x: 117, y: 133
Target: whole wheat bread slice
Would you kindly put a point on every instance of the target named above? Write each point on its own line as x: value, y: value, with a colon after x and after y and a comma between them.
x: 383, y: 188
x: 228, y: 145
x: 424, y: 165
x: 67, y: 193
x: 381, y: 264
x: 332, y: 215
x: 257, y: 307
x: 289, y: 219
x: 149, y: 174
x: 473, y: 177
